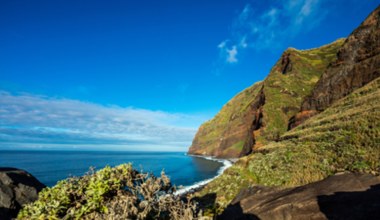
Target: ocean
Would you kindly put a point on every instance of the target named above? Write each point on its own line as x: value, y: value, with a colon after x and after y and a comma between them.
x: 52, y: 166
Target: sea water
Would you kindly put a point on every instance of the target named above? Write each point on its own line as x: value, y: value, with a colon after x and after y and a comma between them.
x: 52, y: 166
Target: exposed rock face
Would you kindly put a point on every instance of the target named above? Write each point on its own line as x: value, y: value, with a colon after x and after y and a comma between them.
x: 17, y: 187
x: 229, y: 134
x: 358, y: 63
x: 286, y: 64
x: 261, y: 112
x: 343, y: 196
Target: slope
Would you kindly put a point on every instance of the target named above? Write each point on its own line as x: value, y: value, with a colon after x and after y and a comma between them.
x: 358, y: 63
x: 344, y: 137
x: 261, y: 112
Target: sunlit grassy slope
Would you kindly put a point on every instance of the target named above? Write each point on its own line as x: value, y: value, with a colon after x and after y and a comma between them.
x: 345, y: 137
x: 285, y: 92
x: 233, y: 131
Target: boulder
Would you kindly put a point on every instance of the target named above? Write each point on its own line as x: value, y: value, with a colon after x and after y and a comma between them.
x: 342, y: 196
x: 17, y: 187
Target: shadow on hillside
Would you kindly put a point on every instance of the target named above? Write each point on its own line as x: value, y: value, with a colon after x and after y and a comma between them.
x: 207, y: 203
x: 235, y: 212
x: 208, y: 206
x: 352, y: 205
x: 5, y: 213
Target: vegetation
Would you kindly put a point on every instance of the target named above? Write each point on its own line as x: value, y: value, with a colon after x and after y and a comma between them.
x: 283, y: 92
x: 111, y: 193
x: 345, y: 137
x: 231, y: 116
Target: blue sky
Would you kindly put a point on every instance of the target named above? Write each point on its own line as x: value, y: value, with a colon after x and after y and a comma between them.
x: 143, y: 75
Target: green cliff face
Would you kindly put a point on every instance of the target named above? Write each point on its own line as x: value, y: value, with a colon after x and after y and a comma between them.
x: 261, y: 112
x: 344, y: 137
x: 335, y: 103
x: 228, y: 132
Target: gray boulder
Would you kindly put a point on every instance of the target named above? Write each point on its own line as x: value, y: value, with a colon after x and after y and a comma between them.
x: 17, y: 187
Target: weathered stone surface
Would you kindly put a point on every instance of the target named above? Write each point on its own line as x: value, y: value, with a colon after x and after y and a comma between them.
x: 358, y: 63
x: 17, y: 187
x: 343, y: 196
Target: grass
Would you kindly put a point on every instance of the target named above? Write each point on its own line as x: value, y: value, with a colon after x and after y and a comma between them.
x: 283, y: 95
x: 345, y: 137
x: 285, y: 92
x: 212, y: 133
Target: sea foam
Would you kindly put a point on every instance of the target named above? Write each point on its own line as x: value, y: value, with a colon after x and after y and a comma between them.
x: 226, y: 164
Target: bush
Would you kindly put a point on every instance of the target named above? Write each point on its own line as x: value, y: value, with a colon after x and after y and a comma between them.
x: 111, y: 193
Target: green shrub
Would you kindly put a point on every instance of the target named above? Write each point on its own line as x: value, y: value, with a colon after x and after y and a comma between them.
x: 110, y: 193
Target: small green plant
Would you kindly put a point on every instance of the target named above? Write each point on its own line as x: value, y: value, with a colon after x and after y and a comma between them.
x: 110, y: 193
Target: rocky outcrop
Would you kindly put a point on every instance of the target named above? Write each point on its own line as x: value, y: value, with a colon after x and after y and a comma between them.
x: 342, y: 196
x: 228, y: 134
x: 286, y: 64
x: 261, y: 112
x: 17, y: 187
x: 358, y: 63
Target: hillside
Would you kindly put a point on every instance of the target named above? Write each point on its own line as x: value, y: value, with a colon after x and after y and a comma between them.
x: 336, y: 118
x: 357, y: 64
x: 345, y: 137
x: 261, y: 112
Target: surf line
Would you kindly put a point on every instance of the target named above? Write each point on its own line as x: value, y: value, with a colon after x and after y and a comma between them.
x: 226, y: 164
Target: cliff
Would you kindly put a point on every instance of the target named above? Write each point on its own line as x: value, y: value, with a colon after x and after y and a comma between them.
x: 261, y: 112
x: 342, y: 130
x: 344, y: 137
x: 300, y: 85
x: 357, y: 63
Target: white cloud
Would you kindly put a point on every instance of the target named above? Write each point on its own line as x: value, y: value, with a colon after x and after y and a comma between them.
x: 32, y: 120
x: 270, y: 28
x: 222, y: 44
x: 244, y: 15
x: 306, y: 9
x: 232, y: 53
x: 243, y: 42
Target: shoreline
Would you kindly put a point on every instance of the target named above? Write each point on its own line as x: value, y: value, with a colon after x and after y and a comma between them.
x: 226, y: 163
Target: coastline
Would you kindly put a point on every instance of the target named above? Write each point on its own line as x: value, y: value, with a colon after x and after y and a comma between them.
x: 198, y: 185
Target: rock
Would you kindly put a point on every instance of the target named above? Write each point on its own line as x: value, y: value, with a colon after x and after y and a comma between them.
x: 217, y: 136
x: 17, y: 187
x: 300, y: 118
x: 286, y: 65
x: 342, y: 196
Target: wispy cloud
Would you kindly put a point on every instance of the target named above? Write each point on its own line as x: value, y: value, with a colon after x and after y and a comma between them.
x: 271, y: 27
x: 34, y: 120
x: 232, y: 53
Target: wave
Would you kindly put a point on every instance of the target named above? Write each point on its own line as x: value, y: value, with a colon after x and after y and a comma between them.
x: 226, y: 164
